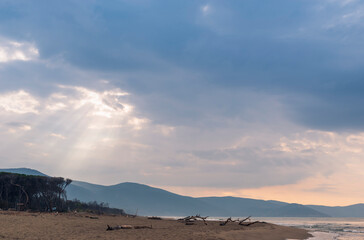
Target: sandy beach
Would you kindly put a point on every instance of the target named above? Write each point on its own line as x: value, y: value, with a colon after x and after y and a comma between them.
x: 26, y: 225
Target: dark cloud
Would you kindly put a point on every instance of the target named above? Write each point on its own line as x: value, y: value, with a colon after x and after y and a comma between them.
x: 173, y: 51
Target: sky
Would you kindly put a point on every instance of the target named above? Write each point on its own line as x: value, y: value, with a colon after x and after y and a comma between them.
x: 258, y: 99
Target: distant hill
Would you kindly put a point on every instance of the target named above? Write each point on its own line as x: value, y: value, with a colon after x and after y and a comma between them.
x: 251, y: 207
x: 26, y: 171
x: 146, y: 200
x: 294, y: 210
x: 243, y: 206
x: 356, y: 210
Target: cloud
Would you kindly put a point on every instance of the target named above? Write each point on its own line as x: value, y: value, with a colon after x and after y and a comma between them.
x: 19, y: 102
x: 60, y: 136
x: 99, y: 110
x: 185, y: 92
x: 205, y: 9
x: 349, y: 15
x: 315, y: 142
x: 14, y: 127
x: 106, y: 104
x: 165, y: 130
x: 229, y: 48
x: 17, y: 51
x: 137, y: 123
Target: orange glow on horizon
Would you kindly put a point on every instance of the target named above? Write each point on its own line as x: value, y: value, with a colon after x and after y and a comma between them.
x: 308, y: 192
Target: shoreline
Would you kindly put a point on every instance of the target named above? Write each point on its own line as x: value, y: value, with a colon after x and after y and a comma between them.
x: 30, y: 225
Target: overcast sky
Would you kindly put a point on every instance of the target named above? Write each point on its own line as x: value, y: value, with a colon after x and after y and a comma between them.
x: 260, y: 99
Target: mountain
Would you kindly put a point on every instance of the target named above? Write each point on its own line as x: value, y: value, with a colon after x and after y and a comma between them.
x: 356, y: 210
x: 259, y: 208
x: 243, y: 206
x: 294, y: 210
x: 133, y: 197
x: 146, y: 200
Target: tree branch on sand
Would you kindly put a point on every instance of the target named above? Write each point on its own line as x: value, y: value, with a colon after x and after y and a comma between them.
x: 241, y: 222
x: 228, y: 220
x: 245, y: 219
x: 190, y: 220
x: 250, y: 223
x: 118, y: 227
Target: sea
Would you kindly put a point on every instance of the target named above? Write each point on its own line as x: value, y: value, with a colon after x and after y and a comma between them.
x: 325, y: 228
x: 320, y: 228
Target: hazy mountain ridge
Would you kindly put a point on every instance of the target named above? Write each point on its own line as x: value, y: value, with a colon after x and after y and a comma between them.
x: 356, y: 210
x: 259, y: 208
x: 146, y: 200
x: 26, y: 171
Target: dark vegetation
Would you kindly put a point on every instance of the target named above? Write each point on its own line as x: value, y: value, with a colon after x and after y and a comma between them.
x: 93, y: 207
x: 32, y: 192
x: 42, y: 193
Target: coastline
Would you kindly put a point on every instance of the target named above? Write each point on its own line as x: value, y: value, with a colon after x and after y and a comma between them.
x: 28, y: 225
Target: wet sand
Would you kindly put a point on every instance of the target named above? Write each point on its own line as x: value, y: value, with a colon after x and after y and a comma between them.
x: 25, y: 225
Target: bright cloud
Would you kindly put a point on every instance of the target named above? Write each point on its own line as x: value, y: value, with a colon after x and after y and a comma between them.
x: 16, y: 127
x: 17, y: 51
x: 60, y: 136
x: 105, y: 104
x: 137, y: 123
x: 82, y: 118
x: 330, y: 143
x: 99, y: 110
x: 19, y: 102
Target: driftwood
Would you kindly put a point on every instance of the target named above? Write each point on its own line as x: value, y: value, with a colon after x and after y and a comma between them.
x: 112, y: 228
x: 241, y: 222
x: 143, y: 227
x: 228, y: 220
x: 190, y: 220
x: 155, y: 218
x: 118, y: 227
x: 250, y: 223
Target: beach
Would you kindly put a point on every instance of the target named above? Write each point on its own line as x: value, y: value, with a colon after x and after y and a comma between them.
x: 35, y: 225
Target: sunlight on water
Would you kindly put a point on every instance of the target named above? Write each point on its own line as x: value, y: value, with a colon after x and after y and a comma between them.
x: 323, y: 236
x: 325, y: 228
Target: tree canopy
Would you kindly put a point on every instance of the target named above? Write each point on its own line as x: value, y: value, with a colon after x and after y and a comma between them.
x: 39, y: 193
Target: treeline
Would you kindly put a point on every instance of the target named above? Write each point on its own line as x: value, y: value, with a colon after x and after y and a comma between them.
x: 38, y: 193
x: 41, y: 193
x: 93, y: 207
